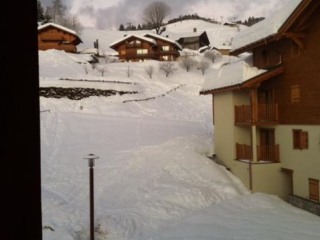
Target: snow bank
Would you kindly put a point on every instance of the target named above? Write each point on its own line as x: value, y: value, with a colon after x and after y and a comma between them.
x: 247, y: 217
x: 55, y: 63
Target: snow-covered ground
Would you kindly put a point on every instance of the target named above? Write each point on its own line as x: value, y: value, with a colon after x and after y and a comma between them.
x: 153, y: 179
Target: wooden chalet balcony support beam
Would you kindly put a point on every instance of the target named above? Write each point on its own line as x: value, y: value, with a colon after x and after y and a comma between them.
x: 296, y: 36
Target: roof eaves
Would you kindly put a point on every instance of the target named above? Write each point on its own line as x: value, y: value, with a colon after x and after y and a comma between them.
x: 272, y: 72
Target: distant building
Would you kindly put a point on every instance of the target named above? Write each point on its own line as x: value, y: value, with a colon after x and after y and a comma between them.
x: 267, y: 111
x: 54, y: 36
x: 149, y: 46
x: 193, y: 40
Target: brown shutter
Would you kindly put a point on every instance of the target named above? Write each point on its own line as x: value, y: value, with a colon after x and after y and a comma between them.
x: 314, y: 189
x: 304, y: 140
x: 296, y: 139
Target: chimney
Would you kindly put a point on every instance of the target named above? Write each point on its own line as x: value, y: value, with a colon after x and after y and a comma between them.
x: 167, y: 36
x: 125, y: 35
x: 195, y: 30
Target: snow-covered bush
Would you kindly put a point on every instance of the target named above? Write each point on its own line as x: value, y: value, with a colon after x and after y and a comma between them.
x: 167, y: 68
x: 203, y: 66
x: 187, y: 62
x: 210, y: 55
x: 102, y: 69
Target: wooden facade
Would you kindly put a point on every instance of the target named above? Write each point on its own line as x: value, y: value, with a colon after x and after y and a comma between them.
x: 134, y: 48
x: 53, y: 36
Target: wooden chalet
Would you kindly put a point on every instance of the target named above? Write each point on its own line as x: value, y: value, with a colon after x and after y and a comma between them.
x: 270, y: 121
x: 194, y: 40
x: 147, y: 47
x: 54, y: 36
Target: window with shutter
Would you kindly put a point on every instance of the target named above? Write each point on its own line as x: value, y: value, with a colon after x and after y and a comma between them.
x: 314, y: 189
x: 295, y: 94
x: 300, y: 139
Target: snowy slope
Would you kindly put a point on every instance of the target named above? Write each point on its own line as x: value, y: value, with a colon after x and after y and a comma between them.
x: 153, y: 179
x: 217, y: 34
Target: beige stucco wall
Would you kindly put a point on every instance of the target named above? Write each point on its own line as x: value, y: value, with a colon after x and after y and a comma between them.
x: 223, y: 127
x: 305, y: 163
x: 226, y: 134
x: 269, y: 178
x: 266, y: 178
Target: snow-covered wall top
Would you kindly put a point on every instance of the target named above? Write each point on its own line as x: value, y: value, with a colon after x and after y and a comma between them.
x: 57, y: 26
x: 265, y: 28
x: 230, y: 75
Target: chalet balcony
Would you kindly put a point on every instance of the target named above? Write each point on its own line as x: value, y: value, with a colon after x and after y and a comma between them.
x: 135, y: 45
x: 243, y: 152
x: 263, y: 114
x: 269, y: 153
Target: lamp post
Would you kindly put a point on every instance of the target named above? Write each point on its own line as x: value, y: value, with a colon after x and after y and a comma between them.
x: 91, y: 157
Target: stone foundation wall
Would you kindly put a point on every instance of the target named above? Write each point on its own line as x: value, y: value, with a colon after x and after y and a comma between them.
x: 305, y: 204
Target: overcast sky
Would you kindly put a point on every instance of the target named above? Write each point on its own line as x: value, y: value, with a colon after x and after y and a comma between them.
x: 105, y: 14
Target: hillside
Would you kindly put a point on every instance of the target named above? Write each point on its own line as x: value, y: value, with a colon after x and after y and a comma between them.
x: 217, y: 34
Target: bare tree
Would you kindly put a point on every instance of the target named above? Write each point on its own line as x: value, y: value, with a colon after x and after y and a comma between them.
x: 102, y: 69
x: 187, y: 63
x: 149, y: 70
x: 203, y: 66
x: 86, y: 68
x: 129, y: 72
x: 210, y: 55
x: 57, y: 11
x: 72, y: 22
x: 167, y: 68
x: 155, y: 13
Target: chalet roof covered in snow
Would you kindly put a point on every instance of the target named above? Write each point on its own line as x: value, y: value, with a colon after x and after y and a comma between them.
x: 230, y: 75
x: 150, y: 40
x: 163, y: 38
x: 57, y: 26
x: 266, y: 28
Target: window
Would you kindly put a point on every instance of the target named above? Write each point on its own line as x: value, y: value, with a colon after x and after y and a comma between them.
x: 123, y: 52
x: 165, y: 48
x: 165, y: 58
x: 300, y: 139
x: 138, y: 43
x: 142, y: 51
x: 295, y: 93
x: 314, y: 189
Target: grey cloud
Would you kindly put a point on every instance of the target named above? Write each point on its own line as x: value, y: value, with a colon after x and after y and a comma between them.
x: 127, y: 11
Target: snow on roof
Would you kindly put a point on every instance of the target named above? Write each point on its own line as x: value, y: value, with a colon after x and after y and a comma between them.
x: 136, y: 36
x: 57, y: 26
x: 265, y: 28
x: 230, y: 75
x: 164, y: 39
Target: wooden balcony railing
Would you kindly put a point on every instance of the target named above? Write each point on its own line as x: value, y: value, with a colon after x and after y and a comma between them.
x: 264, y: 113
x: 243, y: 114
x: 268, y: 112
x: 135, y: 45
x: 243, y: 151
x: 269, y: 153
